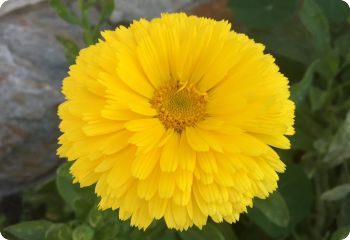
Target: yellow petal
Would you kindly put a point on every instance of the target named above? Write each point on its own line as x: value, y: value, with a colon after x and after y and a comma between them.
x: 169, y: 158
x: 144, y: 164
x: 195, y: 140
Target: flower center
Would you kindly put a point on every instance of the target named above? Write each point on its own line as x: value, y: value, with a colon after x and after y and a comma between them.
x: 179, y: 106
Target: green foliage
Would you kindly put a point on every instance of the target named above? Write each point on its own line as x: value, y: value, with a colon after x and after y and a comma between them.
x: 58, y: 232
x: 339, y: 145
x: 91, y: 27
x: 302, y: 88
x: 210, y: 231
x: 311, y: 45
x: 29, y: 230
x: 264, y: 13
x: 71, y: 50
x: 80, y: 199
x: 337, y: 193
x: 65, y: 13
x: 274, y: 209
x: 278, y: 214
x: 83, y: 232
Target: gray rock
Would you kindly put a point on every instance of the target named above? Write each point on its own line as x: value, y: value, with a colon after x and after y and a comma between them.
x: 11, y: 5
x: 127, y: 10
x: 31, y: 71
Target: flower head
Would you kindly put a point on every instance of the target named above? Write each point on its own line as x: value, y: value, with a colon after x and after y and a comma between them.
x: 175, y: 118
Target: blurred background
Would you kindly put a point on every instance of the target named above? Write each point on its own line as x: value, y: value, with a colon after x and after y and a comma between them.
x: 39, y: 39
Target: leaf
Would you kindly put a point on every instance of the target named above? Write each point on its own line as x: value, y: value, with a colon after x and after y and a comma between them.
x: 29, y: 230
x: 209, y: 232
x: 107, y: 7
x: 265, y: 225
x: 317, y: 25
x: 339, y: 149
x: 318, y: 98
x: 343, y: 48
x: 59, y: 232
x: 289, y: 40
x: 341, y: 233
x: 263, y: 13
x: 108, y: 231
x: 168, y: 235
x: 300, y: 90
x: 71, y: 50
x: 274, y: 209
x: 64, y: 12
x: 271, y: 215
x: 80, y: 199
x: 337, y: 193
x: 343, y: 218
x: 342, y: 44
x: 227, y: 230
x: 95, y: 217
x: 83, y: 232
x: 296, y: 189
x: 336, y: 11
x: 329, y: 65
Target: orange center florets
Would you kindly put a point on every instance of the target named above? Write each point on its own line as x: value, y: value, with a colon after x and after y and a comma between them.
x: 179, y: 106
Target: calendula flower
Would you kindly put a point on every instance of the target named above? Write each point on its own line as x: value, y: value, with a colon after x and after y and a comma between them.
x: 176, y: 118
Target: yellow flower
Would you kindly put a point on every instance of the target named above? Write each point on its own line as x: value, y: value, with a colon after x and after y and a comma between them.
x: 175, y: 119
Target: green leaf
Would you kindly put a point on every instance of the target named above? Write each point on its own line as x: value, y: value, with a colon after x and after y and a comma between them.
x: 107, y: 7
x: 341, y: 233
x: 339, y: 149
x: 343, y: 48
x: 263, y: 13
x: 271, y: 215
x: 71, y: 50
x: 342, y: 44
x: 227, y: 230
x: 2, y: 221
x: 318, y: 98
x: 291, y: 42
x: 83, y: 232
x: 59, y: 232
x: 317, y: 25
x: 274, y: 209
x: 29, y: 230
x: 271, y: 229
x: 64, y: 12
x: 336, y: 11
x: 168, y: 235
x: 108, y: 231
x: 296, y: 189
x: 343, y: 218
x: 95, y: 217
x: 209, y: 232
x: 80, y: 199
x: 337, y: 193
x: 329, y: 65
x: 300, y: 90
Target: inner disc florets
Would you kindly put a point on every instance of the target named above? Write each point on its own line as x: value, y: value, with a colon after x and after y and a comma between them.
x: 179, y: 106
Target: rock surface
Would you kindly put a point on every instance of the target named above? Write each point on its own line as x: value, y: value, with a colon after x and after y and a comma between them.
x: 32, y: 67
x: 11, y: 5
x: 127, y: 10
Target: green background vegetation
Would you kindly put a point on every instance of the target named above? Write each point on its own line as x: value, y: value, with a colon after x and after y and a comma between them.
x: 311, y: 42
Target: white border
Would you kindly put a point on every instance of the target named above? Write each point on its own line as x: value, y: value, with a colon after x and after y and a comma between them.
x: 348, y: 237
x: 347, y: 2
x: 1, y: 237
x: 2, y: 2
